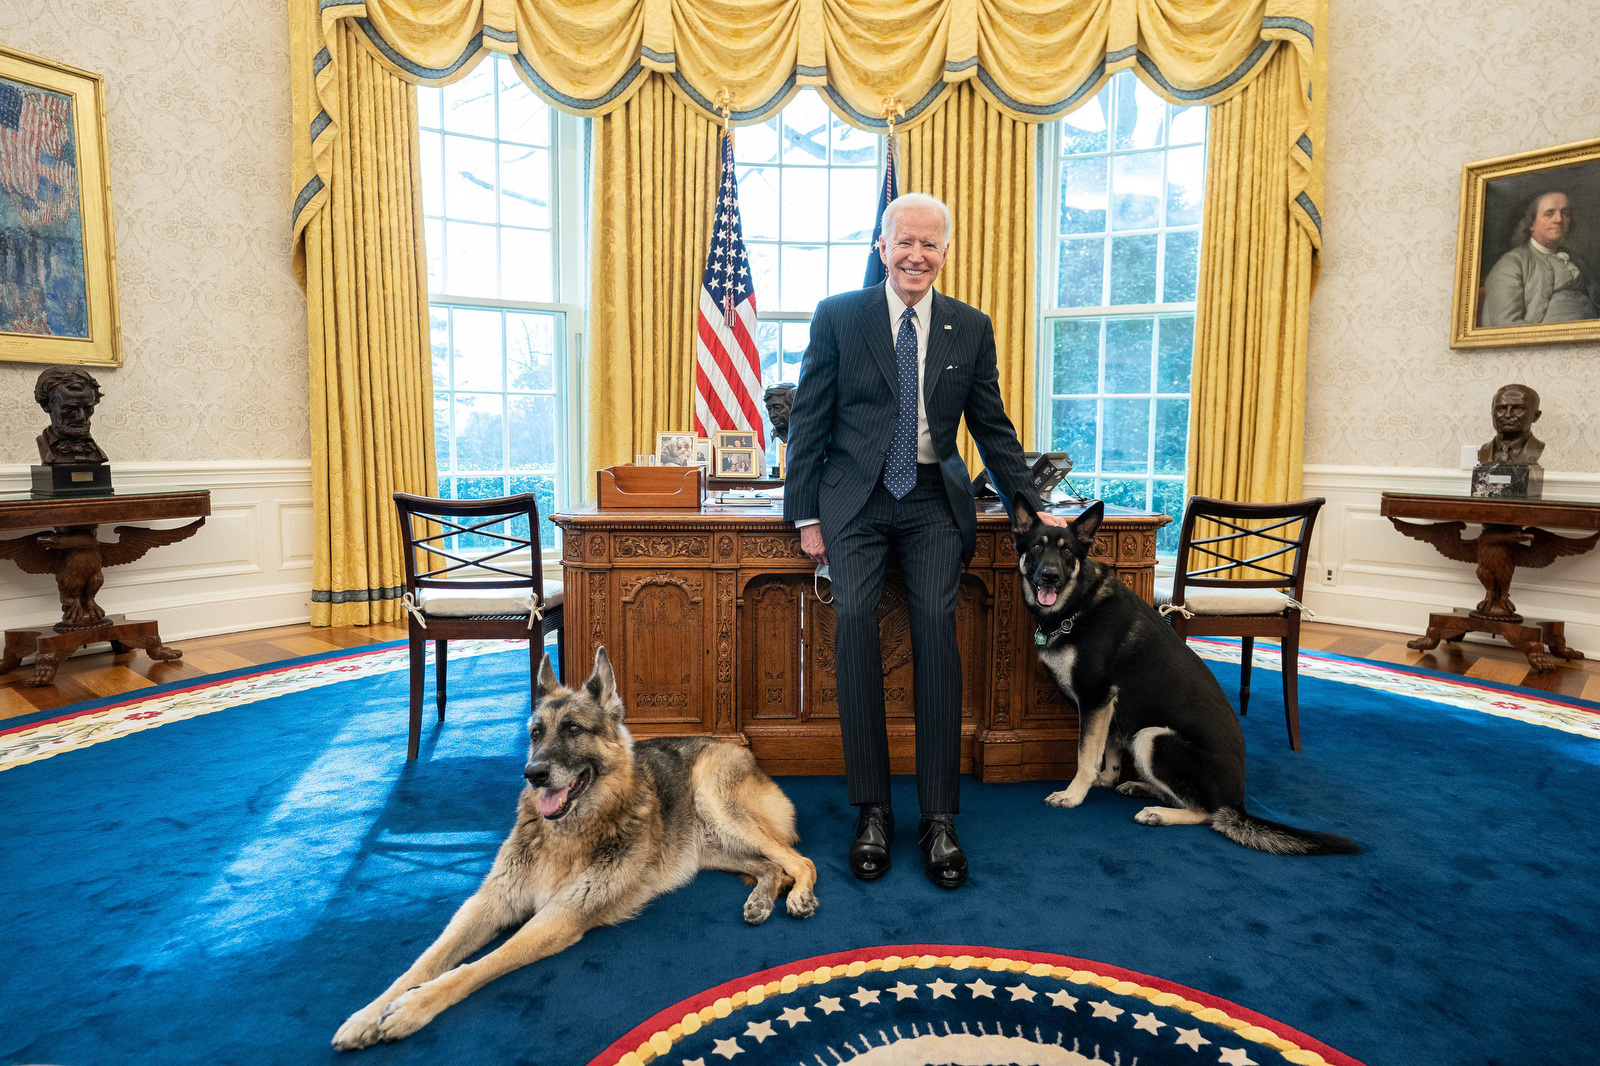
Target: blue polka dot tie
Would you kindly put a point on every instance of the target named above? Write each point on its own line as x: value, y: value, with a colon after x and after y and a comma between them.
x: 900, y: 472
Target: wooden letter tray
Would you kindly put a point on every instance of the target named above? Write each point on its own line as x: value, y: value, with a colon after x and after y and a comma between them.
x: 650, y: 486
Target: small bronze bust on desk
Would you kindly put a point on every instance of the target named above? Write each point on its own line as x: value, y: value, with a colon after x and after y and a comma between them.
x: 73, y: 463
x: 1508, y: 465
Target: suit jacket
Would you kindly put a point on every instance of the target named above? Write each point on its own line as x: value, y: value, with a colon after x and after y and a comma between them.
x: 1529, y: 286
x: 845, y: 407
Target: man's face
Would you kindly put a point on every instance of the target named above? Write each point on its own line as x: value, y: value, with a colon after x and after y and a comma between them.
x: 70, y: 408
x: 913, y: 251
x: 1552, y: 218
x: 1513, y: 414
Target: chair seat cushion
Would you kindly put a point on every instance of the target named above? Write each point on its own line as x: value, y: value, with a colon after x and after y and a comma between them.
x: 467, y: 603
x: 1204, y: 600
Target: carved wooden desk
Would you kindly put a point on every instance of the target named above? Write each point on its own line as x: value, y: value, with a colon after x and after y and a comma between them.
x: 75, y: 555
x: 1511, y: 538
x: 713, y: 626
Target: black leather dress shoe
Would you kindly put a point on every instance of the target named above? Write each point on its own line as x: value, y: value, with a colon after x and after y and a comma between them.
x: 942, y: 858
x: 869, y: 852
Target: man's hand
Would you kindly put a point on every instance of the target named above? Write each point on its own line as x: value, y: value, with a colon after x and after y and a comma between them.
x: 811, y: 544
x: 1045, y: 517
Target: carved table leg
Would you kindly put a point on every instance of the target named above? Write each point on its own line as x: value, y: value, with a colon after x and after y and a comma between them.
x: 19, y: 643
x: 44, y: 670
x: 1428, y: 640
x: 1553, y: 635
x: 1535, y: 653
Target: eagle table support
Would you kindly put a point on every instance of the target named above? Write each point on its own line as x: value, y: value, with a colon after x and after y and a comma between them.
x: 73, y: 552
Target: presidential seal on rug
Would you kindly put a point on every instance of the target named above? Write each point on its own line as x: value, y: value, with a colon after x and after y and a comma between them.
x: 1139, y: 689
x: 604, y: 826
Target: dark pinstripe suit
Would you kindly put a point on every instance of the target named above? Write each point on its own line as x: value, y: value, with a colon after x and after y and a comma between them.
x: 839, y: 435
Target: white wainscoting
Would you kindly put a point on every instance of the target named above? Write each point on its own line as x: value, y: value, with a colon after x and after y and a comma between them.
x: 1385, y: 580
x: 249, y: 566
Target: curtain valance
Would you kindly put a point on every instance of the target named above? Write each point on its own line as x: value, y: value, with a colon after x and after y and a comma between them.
x: 1035, y: 60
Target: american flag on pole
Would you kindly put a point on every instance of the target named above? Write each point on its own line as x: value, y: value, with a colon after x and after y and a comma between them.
x: 727, y: 372
x: 875, y: 268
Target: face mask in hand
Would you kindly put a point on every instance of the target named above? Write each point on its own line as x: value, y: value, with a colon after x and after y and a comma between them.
x: 822, y: 574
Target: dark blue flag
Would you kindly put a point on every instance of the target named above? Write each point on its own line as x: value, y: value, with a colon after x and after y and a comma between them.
x: 875, y: 268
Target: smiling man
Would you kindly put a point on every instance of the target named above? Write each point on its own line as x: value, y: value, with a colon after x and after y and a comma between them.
x: 1540, y: 279
x: 890, y: 372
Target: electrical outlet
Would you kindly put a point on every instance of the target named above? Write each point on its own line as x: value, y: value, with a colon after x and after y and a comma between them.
x: 1330, y: 575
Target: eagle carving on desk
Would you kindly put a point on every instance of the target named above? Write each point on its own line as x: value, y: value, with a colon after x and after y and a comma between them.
x: 76, y: 557
x: 1498, y: 550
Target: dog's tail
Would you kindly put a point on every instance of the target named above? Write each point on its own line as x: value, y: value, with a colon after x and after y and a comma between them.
x: 1258, y: 833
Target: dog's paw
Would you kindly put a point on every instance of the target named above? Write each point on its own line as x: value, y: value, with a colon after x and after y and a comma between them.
x: 1135, y: 788
x: 1070, y: 796
x: 1151, y: 816
x: 801, y: 904
x: 758, y: 908
x: 408, y: 1012
x: 360, y: 1029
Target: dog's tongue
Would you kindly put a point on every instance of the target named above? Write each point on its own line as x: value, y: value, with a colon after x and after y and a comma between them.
x: 550, y: 802
x: 1045, y: 596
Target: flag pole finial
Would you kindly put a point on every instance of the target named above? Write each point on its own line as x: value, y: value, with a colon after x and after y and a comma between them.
x: 724, y: 104
x: 892, y: 111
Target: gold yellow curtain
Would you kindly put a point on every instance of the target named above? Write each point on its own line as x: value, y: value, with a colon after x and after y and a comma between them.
x: 360, y: 259
x: 983, y: 163
x: 1257, y: 267
x: 655, y: 177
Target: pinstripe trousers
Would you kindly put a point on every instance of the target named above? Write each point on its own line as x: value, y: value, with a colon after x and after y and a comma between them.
x: 922, y: 530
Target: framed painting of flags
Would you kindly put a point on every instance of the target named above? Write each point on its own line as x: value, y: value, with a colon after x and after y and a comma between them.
x: 58, y: 284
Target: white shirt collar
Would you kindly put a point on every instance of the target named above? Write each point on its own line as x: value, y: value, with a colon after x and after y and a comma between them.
x: 1541, y: 248
x: 897, y: 307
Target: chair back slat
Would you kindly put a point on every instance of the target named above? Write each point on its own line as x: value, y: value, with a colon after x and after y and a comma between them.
x: 1244, y: 545
x: 430, y: 528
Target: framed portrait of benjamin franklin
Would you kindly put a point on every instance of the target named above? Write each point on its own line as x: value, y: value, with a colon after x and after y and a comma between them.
x: 58, y: 283
x: 1528, y: 249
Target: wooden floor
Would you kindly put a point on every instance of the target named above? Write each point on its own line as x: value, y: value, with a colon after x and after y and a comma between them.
x: 93, y: 676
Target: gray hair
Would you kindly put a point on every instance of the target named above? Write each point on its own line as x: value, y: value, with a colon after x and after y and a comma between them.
x: 915, y: 199
x: 1524, y: 227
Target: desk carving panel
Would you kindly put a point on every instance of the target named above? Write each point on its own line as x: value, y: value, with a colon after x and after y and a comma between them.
x: 713, y: 624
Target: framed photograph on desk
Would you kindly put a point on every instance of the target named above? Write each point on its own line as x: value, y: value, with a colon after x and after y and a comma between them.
x: 738, y: 462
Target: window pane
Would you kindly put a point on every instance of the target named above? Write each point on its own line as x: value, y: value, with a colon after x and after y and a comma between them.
x: 1141, y: 114
x: 764, y: 274
x: 527, y: 256
x: 805, y: 277
x: 1172, y: 436
x: 1124, y: 492
x: 524, y: 118
x: 470, y: 260
x: 478, y: 425
x: 1077, y: 356
x: 524, y: 186
x: 796, y: 335
x: 1183, y: 266
x: 544, y: 487
x: 758, y: 201
x: 1188, y: 124
x: 853, y: 147
x: 1083, y: 195
x: 756, y: 144
x: 469, y: 103
x: 469, y: 179
x: 433, y: 235
x: 439, y: 337
x: 531, y: 352
x: 1133, y: 269
x: 1136, y: 191
x: 441, y: 438
x: 477, y: 362
x: 1186, y: 173
x: 1175, y: 354
x: 770, y: 352
x: 1128, y: 344
x: 1167, y: 498
x: 847, y: 267
x: 854, y: 204
x: 428, y: 113
x: 1084, y: 130
x: 1081, y: 273
x: 1126, y: 447
x: 533, y: 432
x: 432, y: 175
x: 1075, y: 432
x: 805, y: 206
x: 805, y: 130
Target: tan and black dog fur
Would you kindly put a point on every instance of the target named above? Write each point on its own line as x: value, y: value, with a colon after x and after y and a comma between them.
x: 603, y: 827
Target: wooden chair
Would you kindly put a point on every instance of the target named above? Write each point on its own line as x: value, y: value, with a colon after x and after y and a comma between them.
x: 460, y: 590
x: 1243, y: 576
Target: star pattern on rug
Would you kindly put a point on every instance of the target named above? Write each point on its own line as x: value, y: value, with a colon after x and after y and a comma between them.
x: 794, y: 1016
x: 1064, y: 999
x: 728, y: 1048
x: 1021, y: 991
x: 904, y: 991
x: 1191, y: 1038
x: 759, y: 1031
x: 863, y: 996
x: 941, y: 987
x: 829, y: 1005
x: 1236, y: 1057
x: 980, y: 987
x: 1102, y: 1009
x: 1148, y: 1023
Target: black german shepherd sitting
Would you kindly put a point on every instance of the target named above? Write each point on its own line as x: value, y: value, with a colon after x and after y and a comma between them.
x: 1139, y: 688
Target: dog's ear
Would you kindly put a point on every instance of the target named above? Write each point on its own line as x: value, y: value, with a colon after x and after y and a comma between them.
x: 602, y: 683
x: 1087, y: 524
x: 549, y: 684
x: 1023, y: 517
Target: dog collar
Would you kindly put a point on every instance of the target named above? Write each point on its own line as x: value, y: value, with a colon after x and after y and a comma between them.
x: 1041, y: 638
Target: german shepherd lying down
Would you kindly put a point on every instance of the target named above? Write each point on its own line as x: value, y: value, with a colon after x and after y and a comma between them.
x: 1140, y: 689
x: 604, y: 826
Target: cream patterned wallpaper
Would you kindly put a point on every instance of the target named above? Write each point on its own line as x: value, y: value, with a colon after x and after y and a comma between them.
x: 1416, y: 88
x: 213, y: 323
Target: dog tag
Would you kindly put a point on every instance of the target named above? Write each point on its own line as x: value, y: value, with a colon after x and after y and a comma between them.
x: 1039, y: 638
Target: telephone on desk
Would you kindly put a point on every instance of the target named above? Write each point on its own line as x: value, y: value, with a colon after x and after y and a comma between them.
x: 1047, y: 469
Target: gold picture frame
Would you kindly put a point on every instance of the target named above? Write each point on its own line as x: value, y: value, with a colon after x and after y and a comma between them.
x: 1502, y: 275
x: 783, y: 459
x: 58, y: 278
x: 675, y: 448
x: 702, y: 451
x: 738, y: 462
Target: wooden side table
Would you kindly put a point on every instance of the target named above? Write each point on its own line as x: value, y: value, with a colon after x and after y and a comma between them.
x: 74, y: 553
x: 1511, y: 537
